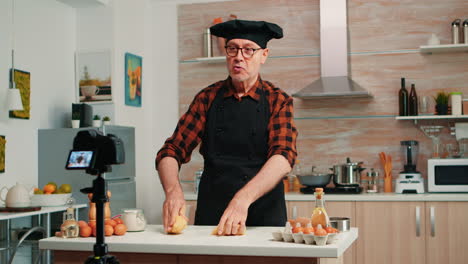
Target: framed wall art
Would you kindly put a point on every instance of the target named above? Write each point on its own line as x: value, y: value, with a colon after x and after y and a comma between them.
x: 23, y: 83
x: 93, y: 76
x: 2, y: 153
x: 133, y: 77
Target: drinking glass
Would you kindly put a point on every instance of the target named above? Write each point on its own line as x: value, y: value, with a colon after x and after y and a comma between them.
x: 453, y: 150
x: 424, y: 105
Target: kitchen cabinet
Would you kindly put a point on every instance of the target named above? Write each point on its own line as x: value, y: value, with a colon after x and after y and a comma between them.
x: 412, y: 232
x: 390, y: 232
x: 343, y: 209
x: 446, y: 232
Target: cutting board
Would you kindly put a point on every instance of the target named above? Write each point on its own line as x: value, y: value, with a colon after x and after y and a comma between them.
x: 19, y: 209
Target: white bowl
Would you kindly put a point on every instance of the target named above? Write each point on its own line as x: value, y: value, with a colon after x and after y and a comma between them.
x: 298, y: 237
x: 50, y: 199
x: 277, y: 236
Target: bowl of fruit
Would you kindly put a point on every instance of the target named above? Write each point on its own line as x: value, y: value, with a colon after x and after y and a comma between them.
x: 51, y: 195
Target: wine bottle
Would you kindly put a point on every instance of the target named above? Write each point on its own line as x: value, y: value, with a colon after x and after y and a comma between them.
x: 413, y: 102
x: 403, y: 99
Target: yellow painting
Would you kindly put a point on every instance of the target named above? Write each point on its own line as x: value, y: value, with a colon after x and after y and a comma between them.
x: 23, y: 83
x: 2, y: 153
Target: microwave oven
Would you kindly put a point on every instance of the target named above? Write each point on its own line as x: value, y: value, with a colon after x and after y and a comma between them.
x: 447, y: 175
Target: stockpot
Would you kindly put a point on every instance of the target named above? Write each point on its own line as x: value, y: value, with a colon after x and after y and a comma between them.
x: 348, y: 173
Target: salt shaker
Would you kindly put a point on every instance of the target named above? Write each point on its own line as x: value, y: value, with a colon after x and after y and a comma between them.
x: 208, y: 52
x: 465, y: 31
x: 456, y: 31
x: 373, y: 184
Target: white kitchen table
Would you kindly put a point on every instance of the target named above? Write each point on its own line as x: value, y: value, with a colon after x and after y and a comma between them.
x: 43, y: 221
x: 197, y: 244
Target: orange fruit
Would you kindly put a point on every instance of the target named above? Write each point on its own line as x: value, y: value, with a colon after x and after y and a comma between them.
x: 85, y: 231
x: 120, y: 230
x: 94, y: 231
x: 118, y: 220
x: 108, y: 230
x: 49, y: 188
x: 110, y: 222
x: 58, y: 234
x: 82, y: 223
x: 92, y: 224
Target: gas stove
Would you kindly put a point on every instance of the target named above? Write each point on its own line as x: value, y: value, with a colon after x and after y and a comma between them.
x: 354, y: 189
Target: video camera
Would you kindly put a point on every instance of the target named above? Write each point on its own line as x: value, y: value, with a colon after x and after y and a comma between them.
x: 95, y: 152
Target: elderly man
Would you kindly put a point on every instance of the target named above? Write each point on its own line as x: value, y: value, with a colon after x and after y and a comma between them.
x: 248, y: 139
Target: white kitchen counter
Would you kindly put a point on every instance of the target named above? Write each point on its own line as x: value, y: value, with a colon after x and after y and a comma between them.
x: 198, y: 240
x: 371, y: 197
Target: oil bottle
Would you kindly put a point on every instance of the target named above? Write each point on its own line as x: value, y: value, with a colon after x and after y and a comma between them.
x: 319, y: 215
x: 69, y: 227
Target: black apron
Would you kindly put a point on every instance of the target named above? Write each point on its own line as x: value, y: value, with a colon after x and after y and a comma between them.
x: 235, y: 147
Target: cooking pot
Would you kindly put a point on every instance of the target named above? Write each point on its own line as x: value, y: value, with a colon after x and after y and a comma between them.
x: 316, y: 179
x: 347, y: 174
x: 340, y: 223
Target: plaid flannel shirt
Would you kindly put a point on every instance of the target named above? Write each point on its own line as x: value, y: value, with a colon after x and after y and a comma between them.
x: 189, y: 132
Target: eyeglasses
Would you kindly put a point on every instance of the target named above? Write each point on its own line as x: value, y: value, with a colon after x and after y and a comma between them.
x: 232, y: 51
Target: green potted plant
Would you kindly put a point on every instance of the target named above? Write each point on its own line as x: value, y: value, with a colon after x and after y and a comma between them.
x: 75, y: 120
x: 106, y: 121
x: 441, y: 100
x: 97, y: 121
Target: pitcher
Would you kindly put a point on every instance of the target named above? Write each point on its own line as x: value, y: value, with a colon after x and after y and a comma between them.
x: 17, y: 196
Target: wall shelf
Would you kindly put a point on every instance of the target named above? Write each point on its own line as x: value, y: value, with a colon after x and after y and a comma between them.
x: 343, y: 117
x: 431, y: 117
x: 443, y: 48
x: 208, y: 59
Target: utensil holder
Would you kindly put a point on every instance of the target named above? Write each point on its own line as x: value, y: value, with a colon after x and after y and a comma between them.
x: 388, y: 184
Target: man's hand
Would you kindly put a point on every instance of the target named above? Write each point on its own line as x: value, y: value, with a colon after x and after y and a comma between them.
x: 173, y: 206
x: 233, y: 220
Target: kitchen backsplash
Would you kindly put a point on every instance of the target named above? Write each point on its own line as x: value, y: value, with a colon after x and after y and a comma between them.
x: 384, y: 40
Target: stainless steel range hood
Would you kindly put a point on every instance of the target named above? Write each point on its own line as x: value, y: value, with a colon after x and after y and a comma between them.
x: 334, y: 81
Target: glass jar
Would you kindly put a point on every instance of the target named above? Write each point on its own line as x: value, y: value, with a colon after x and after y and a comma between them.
x: 456, y: 101
x: 69, y: 227
x: 134, y: 219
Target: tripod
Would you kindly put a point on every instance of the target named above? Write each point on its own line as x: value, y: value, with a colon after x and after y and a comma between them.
x: 100, y: 247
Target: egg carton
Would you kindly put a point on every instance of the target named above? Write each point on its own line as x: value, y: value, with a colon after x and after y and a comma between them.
x: 309, y: 239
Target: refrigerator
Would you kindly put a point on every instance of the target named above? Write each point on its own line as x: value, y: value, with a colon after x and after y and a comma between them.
x: 54, y: 147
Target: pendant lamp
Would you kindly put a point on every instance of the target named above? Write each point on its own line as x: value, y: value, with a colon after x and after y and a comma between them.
x: 13, y: 96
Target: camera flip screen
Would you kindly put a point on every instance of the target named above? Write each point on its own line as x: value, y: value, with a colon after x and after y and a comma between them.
x: 79, y: 160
